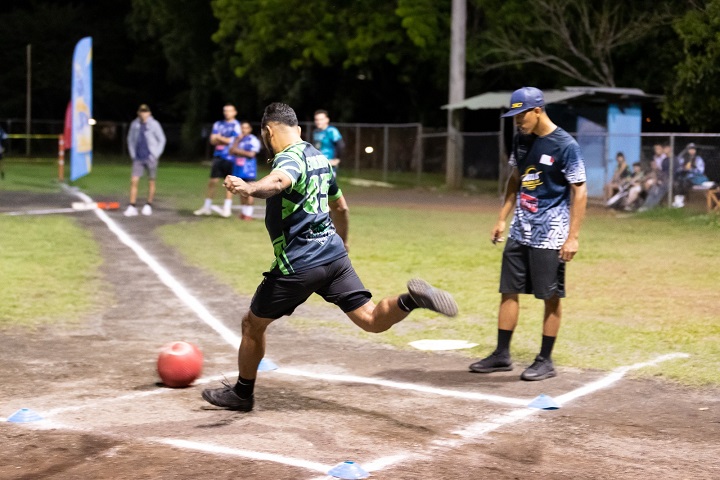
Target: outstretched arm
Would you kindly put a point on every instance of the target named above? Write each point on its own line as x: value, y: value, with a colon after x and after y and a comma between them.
x: 266, y: 187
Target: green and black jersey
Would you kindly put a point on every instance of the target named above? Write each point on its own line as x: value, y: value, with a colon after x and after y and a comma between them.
x: 298, y: 219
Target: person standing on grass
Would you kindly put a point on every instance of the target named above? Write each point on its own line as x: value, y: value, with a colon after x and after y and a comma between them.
x: 245, y: 148
x: 310, y: 256
x: 222, y: 137
x: 547, y: 191
x: 146, y: 142
x: 328, y: 140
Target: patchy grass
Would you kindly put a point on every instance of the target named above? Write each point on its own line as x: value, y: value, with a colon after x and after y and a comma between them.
x: 641, y: 286
x: 49, y: 270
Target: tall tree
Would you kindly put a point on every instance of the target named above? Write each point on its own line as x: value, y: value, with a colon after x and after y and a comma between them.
x: 183, y: 28
x: 367, y: 60
x: 694, y: 96
x: 577, y: 39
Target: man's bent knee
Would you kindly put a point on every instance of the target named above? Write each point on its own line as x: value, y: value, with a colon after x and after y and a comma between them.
x: 254, y: 326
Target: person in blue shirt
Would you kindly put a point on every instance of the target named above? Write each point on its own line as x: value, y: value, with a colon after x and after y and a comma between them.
x: 245, y: 148
x: 547, y: 192
x: 328, y: 140
x: 223, y: 135
x: 310, y: 254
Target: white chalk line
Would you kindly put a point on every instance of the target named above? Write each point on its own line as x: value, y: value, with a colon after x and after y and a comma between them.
x: 249, y: 454
x: 176, y: 287
x: 518, y: 402
x: 468, y: 433
x: 47, y: 211
x: 479, y: 429
x: 234, y: 340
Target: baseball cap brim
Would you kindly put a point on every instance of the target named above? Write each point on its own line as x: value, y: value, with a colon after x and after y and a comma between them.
x: 514, y: 111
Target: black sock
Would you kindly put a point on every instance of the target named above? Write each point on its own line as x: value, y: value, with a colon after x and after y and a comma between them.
x: 148, y: 203
x: 547, y: 346
x: 406, y: 303
x: 132, y: 204
x: 244, y: 388
x: 503, y: 342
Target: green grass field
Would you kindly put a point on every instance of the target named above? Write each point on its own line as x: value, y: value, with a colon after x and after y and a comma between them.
x: 641, y: 286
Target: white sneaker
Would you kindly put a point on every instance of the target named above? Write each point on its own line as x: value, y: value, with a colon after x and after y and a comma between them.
x: 146, y: 210
x: 223, y: 212
x: 202, y: 211
x: 130, y: 211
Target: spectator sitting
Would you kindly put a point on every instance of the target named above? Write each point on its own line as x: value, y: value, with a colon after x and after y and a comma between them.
x: 636, y: 187
x: 658, y: 157
x: 622, y: 172
x: 690, y: 171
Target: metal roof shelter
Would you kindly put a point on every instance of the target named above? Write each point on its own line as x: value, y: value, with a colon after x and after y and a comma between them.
x: 500, y: 100
x: 606, y: 119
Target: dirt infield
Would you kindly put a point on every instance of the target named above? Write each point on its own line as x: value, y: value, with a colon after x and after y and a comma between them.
x: 400, y: 414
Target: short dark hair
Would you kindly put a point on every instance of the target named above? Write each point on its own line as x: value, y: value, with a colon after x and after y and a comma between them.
x: 280, y: 113
x: 318, y: 112
x: 229, y: 105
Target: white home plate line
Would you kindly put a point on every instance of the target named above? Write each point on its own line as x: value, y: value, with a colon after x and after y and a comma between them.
x: 130, y: 396
x: 47, y: 211
x: 518, y: 402
x: 268, y: 457
x: 467, y: 434
x: 234, y: 340
x: 476, y: 430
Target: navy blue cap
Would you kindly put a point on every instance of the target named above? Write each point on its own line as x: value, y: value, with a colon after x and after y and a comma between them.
x: 524, y: 99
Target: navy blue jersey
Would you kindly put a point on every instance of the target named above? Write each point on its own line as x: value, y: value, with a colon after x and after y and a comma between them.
x: 547, y: 166
x: 298, y: 219
x: 226, y: 129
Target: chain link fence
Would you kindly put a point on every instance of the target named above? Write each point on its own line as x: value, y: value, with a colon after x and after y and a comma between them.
x: 408, y: 154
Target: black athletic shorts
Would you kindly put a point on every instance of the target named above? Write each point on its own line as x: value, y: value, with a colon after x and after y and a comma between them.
x: 221, y: 168
x: 530, y: 270
x: 336, y: 282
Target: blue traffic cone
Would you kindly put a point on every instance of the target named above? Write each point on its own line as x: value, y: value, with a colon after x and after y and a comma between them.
x: 267, y: 365
x: 24, y: 415
x: 544, y: 402
x: 348, y: 470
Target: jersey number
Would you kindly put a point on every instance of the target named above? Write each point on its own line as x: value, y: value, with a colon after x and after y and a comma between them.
x: 317, y: 198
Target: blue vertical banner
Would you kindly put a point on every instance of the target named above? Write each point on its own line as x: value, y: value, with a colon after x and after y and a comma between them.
x: 81, y: 150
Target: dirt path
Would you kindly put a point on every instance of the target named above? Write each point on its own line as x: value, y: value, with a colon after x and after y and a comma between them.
x: 107, y: 418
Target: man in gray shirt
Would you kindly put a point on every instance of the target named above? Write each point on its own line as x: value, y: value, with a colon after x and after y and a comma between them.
x: 146, y: 142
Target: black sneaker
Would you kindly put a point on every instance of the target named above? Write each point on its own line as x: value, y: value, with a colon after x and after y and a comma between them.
x: 541, y: 369
x: 226, y: 397
x: 427, y: 296
x: 495, y: 362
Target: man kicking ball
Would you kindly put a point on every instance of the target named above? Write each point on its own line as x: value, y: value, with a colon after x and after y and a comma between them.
x: 310, y: 255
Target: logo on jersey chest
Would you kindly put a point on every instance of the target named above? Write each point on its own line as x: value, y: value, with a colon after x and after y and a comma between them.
x: 531, y: 178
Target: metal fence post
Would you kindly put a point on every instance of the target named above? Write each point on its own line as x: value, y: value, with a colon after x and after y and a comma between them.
x: 671, y: 171
x: 419, y: 153
x: 386, y: 151
x: 357, y: 150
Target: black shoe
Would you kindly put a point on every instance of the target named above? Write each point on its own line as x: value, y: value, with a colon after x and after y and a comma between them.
x: 493, y: 363
x: 541, y: 369
x: 226, y: 397
x: 427, y: 296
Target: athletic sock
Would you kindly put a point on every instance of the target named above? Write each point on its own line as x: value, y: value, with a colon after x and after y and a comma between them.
x: 244, y: 388
x: 228, y: 203
x: 503, y: 342
x: 406, y: 303
x: 547, y: 346
x: 208, y: 203
x: 247, y: 210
